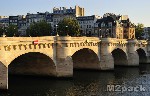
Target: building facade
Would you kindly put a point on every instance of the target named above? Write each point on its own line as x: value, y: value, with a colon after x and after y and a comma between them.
x: 145, y: 33
x: 4, y: 21
x: 22, y: 26
x: 34, y: 18
x: 60, y: 13
x: 110, y: 25
x: 13, y: 20
x: 87, y: 24
x: 115, y: 26
x: 23, y: 22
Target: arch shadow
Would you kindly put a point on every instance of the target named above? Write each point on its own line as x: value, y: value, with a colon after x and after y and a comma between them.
x: 120, y: 57
x: 142, y: 55
x: 85, y: 59
x: 32, y: 63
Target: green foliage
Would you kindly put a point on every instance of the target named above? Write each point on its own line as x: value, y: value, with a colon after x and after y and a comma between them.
x: 1, y: 31
x: 69, y: 27
x: 11, y: 31
x: 39, y: 29
x: 138, y: 30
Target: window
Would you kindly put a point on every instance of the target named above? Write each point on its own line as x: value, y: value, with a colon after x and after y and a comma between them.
x: 89, y: 26
x: 110, y: 24
x: 102, y: 24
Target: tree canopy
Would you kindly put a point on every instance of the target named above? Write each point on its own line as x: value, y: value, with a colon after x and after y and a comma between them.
x: 11, y: 30
x: 1, y: 31
x: 68, y: 26
x: 39, y: 29
x: 138, y: 30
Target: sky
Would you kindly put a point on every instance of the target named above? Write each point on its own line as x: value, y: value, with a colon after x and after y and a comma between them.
x: 137, y: 10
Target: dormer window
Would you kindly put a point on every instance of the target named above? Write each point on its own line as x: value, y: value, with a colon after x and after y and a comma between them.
x: 110, y: 24
x: 102, y: 24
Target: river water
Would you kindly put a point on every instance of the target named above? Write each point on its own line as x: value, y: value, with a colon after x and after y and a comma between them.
x: 85, y: 83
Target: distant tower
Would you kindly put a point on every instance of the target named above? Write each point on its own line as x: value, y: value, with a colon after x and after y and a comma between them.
x: 79, y: 11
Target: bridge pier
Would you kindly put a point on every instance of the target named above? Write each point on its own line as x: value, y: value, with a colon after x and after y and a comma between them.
x: 133, y: 59
x: 3, y: 76
x: 148, y: 59
x: 64, y: 67
x: 106, y: 62
x: 106, y: 58
x: 64, y: 63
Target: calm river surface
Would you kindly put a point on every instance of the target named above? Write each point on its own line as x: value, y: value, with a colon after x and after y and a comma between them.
x: 85, y: 83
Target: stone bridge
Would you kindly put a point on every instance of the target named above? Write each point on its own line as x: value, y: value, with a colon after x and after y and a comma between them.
x: 58, y: 56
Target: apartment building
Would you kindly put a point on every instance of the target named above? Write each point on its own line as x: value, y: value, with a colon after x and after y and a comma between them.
x: 4, y: 21
x: 49, y: 18
x: 23, y: 22
x: 34, y: 18
x: 115, y: 26
x: 145, y: 33
x: 110, y: 25
x: 13, y: 20
x: 64, y: 12
x: 22, y: 26
x: 87, y: 24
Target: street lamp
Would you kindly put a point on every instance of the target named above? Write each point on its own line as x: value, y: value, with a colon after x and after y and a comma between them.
x: 14, y: 32
x: 3, y: 30
x: 99, y: 33
x: 106, y: 33
x: 101, y: 36
x: 67, y: 30
x: 29, y: 32
x: 56, y: 30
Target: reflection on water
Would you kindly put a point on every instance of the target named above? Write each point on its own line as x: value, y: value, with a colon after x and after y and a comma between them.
x: 83, y: 83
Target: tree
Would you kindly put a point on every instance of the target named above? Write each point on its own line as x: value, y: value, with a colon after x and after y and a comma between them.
x: 12, y: 30
x: 69, y: 27
x: 138, y: 30
x: 1, y: 31
x: 39, y: 29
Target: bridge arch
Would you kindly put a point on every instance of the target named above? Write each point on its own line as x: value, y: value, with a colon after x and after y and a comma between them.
x: 18, y: 54
x: 120, y: 57
x: 142, y: 55
x: 85, y: 59
x: 32, y: 63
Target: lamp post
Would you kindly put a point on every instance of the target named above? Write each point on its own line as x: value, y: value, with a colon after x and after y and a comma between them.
x: 67, y: 30
x: 56, y: 31
x: 147, y: 34
x: 14, y: 32
x: 106, y: 33
x: 3, y: 30
x: 99, y: 33
x: 101, y: 37
x: 29, y: 32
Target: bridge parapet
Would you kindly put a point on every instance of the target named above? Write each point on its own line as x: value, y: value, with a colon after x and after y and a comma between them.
x: 142, y: 43
x: 109, y: 44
